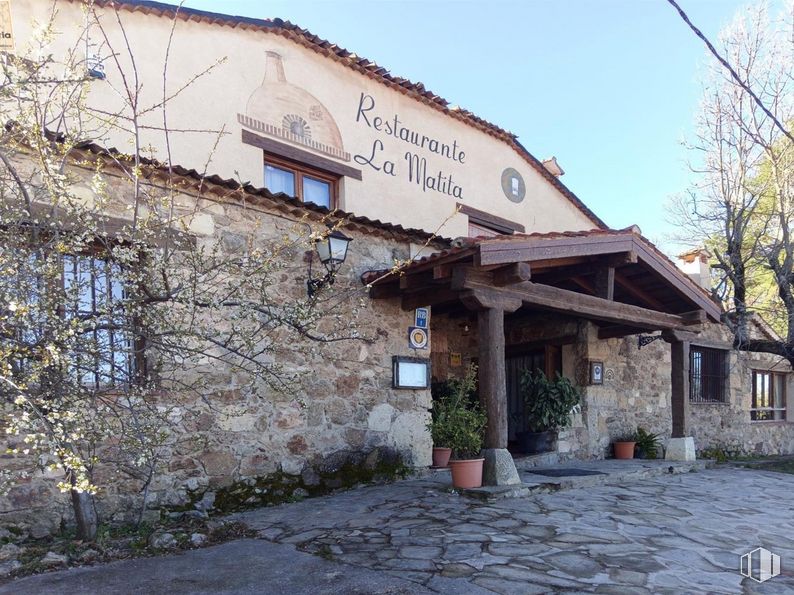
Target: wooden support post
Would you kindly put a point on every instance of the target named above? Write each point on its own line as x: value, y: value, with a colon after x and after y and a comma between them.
x: 493, y: 391
x: 605, y: 283
x: 679, y: 400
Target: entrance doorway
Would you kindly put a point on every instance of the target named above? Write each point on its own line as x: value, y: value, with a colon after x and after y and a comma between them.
x: 545, y: 358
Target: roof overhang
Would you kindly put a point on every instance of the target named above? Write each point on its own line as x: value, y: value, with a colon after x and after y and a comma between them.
x: 617, y: 279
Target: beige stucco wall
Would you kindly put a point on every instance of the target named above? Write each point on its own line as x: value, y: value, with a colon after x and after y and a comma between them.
x: 214, y: 101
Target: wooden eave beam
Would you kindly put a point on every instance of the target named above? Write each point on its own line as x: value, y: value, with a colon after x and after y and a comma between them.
x: 517, y: 272
x: 431, y: 296
x: 384, y: 291
x: 579, y: 304
x: 621, y: 330
x: 503, y: 252
x: 416, y: 280
x: 552, y: 271
x: 669, y: 274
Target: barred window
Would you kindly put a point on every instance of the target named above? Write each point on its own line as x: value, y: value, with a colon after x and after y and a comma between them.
x: 86, y: 293
x: 769, y: 396
x: 95, y: 296
x: 707, y: 372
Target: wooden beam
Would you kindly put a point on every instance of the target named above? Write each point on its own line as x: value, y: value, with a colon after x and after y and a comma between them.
x: 638, y: 293
x: 290, y: 151
x: 383, y: 291
x: 513, y: 273
x: 500, y: 251
x: 677, y: 336
x: 489, y: 220
x: 579, y: 304
x: 685, y: 287
x: 442, y: 272
x: 584, y: 284
x: 483, y: 300
x: 605, y: 283
x: 428, y: 297
x: 460, y: 273
x: 492, y: 385
x: 695, y: 317
x: 620, y: 330
x: 416, y: 280
x: 679, y: 378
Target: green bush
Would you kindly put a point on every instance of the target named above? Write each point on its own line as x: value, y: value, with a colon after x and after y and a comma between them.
x: 647, y: 443
x: 549, y: 403
x: 457, y: 423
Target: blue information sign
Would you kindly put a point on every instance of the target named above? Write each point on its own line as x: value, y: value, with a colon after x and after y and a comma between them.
x: 421, y: 317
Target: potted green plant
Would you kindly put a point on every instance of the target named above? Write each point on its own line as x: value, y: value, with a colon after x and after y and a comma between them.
x: 447, y: 395
x: 440, y: 432
x: 468, y: 428
x: 461, y: 424
x: 548, y: 407
x: 647, y: 444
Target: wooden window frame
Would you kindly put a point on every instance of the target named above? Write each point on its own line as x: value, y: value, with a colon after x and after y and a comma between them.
x: 773, y: 398
x: 493, y: 223
x: 491, y: 232
x: 708, y: 379
x: 300, y: 170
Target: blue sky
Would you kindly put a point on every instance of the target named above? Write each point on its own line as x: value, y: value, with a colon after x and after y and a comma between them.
x: 610, y: 87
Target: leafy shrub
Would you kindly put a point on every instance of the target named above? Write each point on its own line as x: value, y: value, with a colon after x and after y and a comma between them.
x: 647, y: 443
x: 458, y: 423
x: 549, y: 403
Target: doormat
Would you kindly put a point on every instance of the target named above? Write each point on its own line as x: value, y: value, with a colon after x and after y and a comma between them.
x: 565, y: 472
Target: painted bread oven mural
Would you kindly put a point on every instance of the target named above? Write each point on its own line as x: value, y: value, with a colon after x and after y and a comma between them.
x: 287, y: 112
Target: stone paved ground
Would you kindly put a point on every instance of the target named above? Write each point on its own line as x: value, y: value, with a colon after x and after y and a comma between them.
x: 667, y: 534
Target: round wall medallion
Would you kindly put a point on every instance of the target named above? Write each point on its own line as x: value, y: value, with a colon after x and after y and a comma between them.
x: 513, y: 185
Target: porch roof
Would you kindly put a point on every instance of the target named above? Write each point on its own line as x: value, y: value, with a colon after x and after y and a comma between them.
x: 616, y: 278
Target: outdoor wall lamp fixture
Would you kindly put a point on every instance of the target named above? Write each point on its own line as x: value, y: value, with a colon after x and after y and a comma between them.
x: 332, y: 250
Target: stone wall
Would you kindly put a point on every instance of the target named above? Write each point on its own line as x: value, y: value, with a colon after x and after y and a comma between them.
x: 636, y: 389
x: 727, y: 428
x: 344, y: 417
x: 636, y: 393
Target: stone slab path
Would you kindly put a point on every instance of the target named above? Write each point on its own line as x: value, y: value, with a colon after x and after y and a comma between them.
x: 673, y: 534
x: 244, y: 566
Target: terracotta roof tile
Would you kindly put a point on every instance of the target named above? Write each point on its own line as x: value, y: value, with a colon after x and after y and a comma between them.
x: 368, y: 68
x: 284, y: 200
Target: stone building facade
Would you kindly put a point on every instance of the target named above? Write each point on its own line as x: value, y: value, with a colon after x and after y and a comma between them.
x: 342, y: 423
x: 344, y: 136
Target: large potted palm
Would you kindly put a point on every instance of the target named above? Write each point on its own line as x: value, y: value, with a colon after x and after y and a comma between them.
x: 548, y: 406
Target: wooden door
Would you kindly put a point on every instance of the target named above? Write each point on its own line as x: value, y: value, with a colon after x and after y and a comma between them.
x: 548, y: 359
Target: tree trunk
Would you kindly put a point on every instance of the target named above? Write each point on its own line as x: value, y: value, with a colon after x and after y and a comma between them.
x: 84, y: 515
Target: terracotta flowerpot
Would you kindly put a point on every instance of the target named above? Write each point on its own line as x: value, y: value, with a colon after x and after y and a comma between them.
x: 466, y: 473
x: 624, y: 450
x: 441, y: 456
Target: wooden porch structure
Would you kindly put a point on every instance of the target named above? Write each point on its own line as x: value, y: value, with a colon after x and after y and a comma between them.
x: 616, y: 279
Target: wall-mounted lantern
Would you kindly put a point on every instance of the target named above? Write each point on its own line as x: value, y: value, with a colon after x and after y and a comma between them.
x: 332, y: 250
